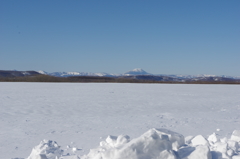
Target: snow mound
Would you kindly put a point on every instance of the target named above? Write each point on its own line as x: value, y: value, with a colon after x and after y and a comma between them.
x: 154, y: 144
x: 47, y: 149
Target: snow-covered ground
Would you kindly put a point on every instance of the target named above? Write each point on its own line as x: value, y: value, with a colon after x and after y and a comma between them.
x: 81, y: 115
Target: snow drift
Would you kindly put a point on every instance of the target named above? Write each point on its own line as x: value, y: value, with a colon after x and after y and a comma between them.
x: 154, y: 144
x: 46, y: 150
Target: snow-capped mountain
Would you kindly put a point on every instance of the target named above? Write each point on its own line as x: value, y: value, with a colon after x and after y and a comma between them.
x: 136, y: 71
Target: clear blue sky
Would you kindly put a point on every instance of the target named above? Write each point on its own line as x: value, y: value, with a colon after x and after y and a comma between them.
x: 114, y: 36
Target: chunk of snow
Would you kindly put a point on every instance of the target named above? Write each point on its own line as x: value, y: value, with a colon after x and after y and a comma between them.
x: 188, y: 139
x: 153, y: 144
x: 199, y: 140
x: 115, y: 141
x: 224, y: 140
x: 213, y: 138
x: 111, y: 140
x: 230, y: 152
x: 74, y: 149
x: 47, y: 149
x: 236, y: 135
x: 167, y: 154
x: 176, y: 139
x: 236, y: 157
x: 233, y: 145
x: 221, y: 147
x: 221, y: 150
x: 122, y: 139
x: 185, y: 151
x: 201, y: 152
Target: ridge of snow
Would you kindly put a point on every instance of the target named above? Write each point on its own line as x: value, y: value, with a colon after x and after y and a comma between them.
x: 154, y: 144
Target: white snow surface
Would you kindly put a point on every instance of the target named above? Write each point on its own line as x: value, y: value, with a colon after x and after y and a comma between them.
x: 80, y: 116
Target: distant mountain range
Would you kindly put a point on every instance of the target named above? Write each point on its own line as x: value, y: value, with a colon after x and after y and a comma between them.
x: 135, y: 74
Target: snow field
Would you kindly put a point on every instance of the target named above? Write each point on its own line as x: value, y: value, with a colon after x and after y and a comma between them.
x: 81, y: 115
